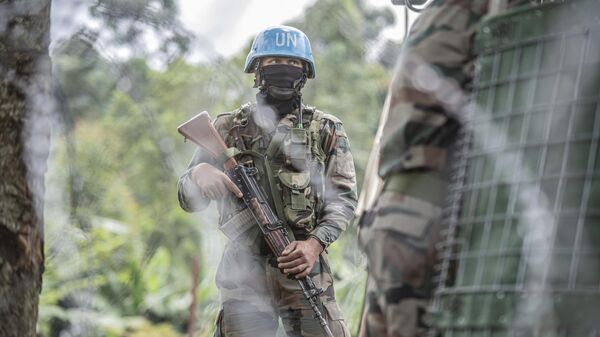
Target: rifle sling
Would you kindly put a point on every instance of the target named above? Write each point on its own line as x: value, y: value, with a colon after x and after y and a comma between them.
x: 227, y: 154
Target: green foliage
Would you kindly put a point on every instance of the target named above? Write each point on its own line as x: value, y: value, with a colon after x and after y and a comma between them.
x: 118, y: 246
x: 84, y: 75
x: 129, y: 21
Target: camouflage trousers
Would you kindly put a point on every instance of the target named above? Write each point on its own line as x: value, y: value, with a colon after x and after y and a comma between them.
x: 400, y: 246
x: 255, y: 294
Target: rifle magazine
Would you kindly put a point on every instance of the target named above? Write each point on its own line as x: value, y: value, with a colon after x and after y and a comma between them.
x: 238, y: 224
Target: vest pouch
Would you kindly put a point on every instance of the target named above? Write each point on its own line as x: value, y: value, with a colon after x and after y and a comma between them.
x: 297, y: 204
x: 297, y: 149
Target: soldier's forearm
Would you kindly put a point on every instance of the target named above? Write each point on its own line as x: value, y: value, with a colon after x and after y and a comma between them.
x: 332, y: 223
x: 337, y: 211
x: 326, y: 234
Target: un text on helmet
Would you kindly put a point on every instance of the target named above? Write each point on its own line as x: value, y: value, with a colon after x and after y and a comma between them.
x: 286, y: 39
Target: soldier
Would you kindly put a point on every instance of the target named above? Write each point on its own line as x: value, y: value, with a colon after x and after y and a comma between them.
x: 421, y: 117
x: 305, y: 167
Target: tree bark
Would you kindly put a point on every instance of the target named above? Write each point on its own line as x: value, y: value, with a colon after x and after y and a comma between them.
x: 24, y: 143
x: 191, y: 328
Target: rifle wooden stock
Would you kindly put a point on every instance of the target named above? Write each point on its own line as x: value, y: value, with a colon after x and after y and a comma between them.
x: 200, y: 130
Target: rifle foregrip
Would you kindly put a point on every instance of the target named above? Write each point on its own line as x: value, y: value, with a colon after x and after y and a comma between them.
x: 260, y: 214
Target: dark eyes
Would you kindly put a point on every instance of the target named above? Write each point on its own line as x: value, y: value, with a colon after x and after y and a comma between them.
x: 276, y: 61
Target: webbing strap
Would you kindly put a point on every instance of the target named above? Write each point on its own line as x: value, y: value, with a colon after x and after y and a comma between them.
x: 227, y: 154
x: 275, y: 143
x: 272, y: 149
x: 251, y: 153
x: 314, y: 131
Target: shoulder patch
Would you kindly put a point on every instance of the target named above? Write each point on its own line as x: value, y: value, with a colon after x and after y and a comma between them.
x: 248, y: 107
x: 332, y: 118
x: 224, y: 121
x: 241, y: 114
x: 309, y: 109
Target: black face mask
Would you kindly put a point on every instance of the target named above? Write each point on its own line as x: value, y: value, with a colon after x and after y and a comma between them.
x: 272, y: 107
x: 280, y: 87
x: 282, y: 81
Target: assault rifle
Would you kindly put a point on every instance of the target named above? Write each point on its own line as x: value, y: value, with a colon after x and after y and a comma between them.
x: 200, y: 130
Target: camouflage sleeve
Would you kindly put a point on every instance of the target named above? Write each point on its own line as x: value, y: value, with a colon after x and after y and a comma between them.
x: 340, y: 198
x: 190, y: 197
x: 427, y: 91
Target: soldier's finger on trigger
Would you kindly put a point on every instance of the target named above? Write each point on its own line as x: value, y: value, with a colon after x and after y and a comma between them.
x: 232, y: 187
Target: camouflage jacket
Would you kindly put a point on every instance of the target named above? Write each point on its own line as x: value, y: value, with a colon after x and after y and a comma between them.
x: 318, y: 201
x: 430, y: 85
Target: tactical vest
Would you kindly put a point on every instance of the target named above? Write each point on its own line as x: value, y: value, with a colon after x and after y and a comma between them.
x: 290, y: 163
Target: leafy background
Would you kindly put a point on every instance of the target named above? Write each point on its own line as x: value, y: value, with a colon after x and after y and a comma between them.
x: 119, y: 250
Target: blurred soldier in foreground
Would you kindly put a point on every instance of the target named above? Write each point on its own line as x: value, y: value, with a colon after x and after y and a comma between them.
x: 305, y: 166
x: 408, y: 181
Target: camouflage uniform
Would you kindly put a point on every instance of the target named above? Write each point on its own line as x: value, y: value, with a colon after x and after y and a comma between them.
x: 318, y: 201
x: 399, y: 233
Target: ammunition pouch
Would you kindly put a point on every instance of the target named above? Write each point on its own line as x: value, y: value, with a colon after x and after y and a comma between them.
x: 297, y: 198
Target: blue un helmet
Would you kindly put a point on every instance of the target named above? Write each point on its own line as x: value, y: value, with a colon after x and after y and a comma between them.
x: 282, y: 41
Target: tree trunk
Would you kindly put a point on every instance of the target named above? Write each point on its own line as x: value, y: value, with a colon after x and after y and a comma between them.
x: 24, y: 143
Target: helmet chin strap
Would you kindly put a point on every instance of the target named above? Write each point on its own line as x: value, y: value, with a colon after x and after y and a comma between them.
x: 299, y: 85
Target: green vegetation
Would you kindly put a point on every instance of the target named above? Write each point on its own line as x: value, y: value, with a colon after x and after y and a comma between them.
x: 118, y: 247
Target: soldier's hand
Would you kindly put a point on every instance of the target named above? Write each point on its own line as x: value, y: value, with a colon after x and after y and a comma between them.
x: 299, y: 257
x: 213, y: 183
